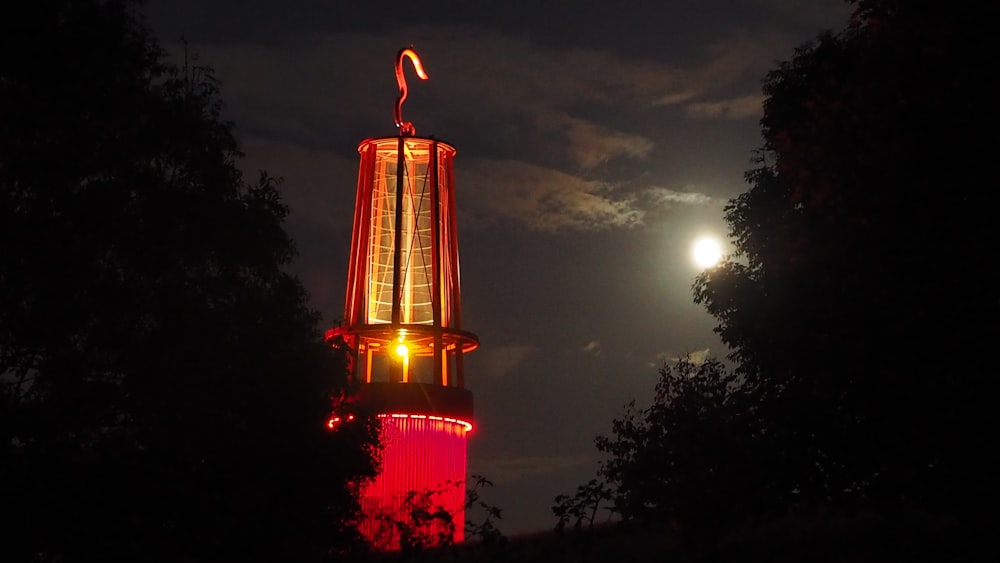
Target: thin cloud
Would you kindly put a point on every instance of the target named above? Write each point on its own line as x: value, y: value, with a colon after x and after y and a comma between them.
x: 542, y: 199
x: 592, y: 145
x: 549, y: 200
x: 506, y: 470
x: 696, y: 357
x: 660, y: 359
x: 674, y: 98
x: 737, y: 108
x: 666, y: 197
x: 593, y: 348
x: 504, y: 360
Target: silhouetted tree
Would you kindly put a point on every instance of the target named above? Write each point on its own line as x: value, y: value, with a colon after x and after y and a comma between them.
x: 688, y: 461
x: 584, y: 505
x: 485, y: 531
x: 858, y: 299
x: 425, y: 525
x: 163, y: 386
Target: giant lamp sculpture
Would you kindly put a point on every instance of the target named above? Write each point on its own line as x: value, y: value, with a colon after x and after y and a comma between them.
x: 402, y: 321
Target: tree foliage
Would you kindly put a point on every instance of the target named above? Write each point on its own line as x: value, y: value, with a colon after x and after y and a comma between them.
x: 163, y: 386
x: 425, y: 524
x: 857, y: 299
x: 583, y: 505
x: 688, y: 460
x: 689, y: 463
x: 485, y: 530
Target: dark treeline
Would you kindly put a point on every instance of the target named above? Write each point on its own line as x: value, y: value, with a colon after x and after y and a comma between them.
x: 163, y: 385
x: 858, y: 308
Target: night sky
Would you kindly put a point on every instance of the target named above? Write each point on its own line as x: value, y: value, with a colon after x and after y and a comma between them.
x: 595, y: 144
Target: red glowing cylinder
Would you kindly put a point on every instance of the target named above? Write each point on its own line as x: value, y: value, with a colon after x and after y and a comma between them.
x: 421, y: 454
x: 402, y: 323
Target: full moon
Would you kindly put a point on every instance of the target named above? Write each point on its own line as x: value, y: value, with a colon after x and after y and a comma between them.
x: 706, y: 252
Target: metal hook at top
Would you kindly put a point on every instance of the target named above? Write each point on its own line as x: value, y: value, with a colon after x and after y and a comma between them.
x: 405, y: 127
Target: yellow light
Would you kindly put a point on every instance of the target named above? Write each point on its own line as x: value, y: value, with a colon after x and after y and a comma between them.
x: 402, y: 351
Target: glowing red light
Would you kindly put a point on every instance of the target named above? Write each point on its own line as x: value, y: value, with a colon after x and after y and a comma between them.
x: 420, y: 453
x: 336, y: 421
x: 463, y: 423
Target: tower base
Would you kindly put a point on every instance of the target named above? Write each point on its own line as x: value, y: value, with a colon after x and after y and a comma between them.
x: 418, y: 497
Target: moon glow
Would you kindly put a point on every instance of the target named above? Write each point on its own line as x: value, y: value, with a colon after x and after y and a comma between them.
x: 706, y: 252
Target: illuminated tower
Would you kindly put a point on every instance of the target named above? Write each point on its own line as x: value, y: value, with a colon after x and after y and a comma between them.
x: 402, y: 321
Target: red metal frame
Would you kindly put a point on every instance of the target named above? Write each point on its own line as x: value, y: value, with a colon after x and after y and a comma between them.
x: 402, y: 323
x: 403, y: 283
x: 403, y: 292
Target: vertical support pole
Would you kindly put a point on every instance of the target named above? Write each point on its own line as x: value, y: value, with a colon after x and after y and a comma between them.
x: 439, y: 375
x: 397, y: 243
x: 456, y: 302
x: 397, y: 247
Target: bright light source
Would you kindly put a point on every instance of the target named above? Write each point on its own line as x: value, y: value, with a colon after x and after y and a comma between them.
x: 402, y: 351
x: 706, y: 252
